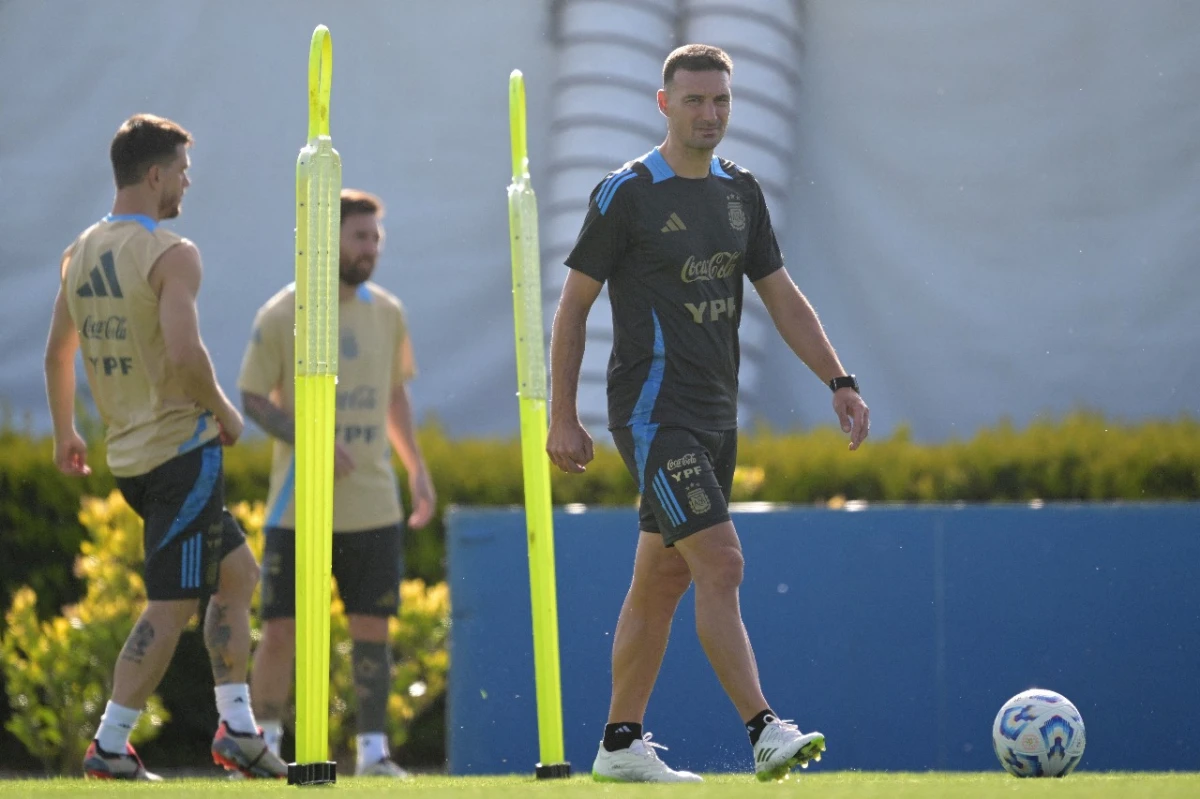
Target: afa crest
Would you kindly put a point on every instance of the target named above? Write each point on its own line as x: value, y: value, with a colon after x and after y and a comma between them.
x: 737, y: 213
x: 698, y: 500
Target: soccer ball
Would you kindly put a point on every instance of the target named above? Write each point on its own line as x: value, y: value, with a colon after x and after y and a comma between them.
x: 1038, y: 733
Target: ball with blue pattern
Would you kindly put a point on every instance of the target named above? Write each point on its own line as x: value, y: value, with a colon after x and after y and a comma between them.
x: 1038, y: 733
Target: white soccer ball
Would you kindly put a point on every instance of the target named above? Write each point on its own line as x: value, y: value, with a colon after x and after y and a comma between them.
x: 1038, y: 733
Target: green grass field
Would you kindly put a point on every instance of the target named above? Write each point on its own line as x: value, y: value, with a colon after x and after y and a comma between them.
x: 836, y: 785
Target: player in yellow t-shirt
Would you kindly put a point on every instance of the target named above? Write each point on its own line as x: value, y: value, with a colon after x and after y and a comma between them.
x: 127, y: 299
x: 373, y: 410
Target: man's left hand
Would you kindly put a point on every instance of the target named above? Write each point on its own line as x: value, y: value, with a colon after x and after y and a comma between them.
x: 424, y: 499
x: 70, y: 455
x: 853, y: 414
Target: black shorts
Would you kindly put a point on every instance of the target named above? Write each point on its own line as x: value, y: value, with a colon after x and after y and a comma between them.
x: 366, y: 565
x: 188, y: 531
x: 684, y: 475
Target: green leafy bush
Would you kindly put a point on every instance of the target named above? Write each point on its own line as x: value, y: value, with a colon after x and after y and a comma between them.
x: 58, y: 673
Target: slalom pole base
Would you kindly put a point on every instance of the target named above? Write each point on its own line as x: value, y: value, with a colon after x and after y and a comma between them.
x: 552, y: 771
x: 324, y: 773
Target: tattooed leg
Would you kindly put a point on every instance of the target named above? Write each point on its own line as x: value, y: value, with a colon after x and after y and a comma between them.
x: 372, y: 684
x: 218, y: 633
x: 271, y: 677
x: 227, y: 620
x: 148, y: 650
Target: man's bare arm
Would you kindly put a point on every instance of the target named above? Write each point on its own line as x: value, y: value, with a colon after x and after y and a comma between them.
x: 274, y: 421
x: 568, y: 443
x: 567, y: 341
x: 402, y: 431
x: 176, y: 277
x: 403, y: 435
x: 798, y: 324
x: 61, y: 346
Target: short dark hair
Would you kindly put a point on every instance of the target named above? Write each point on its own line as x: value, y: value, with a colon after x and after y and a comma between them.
x: 356, y: 201
x: 696, y: 58
x: 142, y: 141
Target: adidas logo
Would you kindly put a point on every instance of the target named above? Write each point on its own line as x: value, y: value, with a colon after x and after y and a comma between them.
x: 674, y: 224
x: 765, y: 753
x: 102, y: 284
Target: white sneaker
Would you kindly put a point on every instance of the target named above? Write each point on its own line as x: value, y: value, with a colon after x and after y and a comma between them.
x: 381, y: 768
x: 782, y: 747
x: 638, y: 763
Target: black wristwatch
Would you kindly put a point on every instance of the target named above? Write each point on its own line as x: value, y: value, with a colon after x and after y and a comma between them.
x: 845, y: 381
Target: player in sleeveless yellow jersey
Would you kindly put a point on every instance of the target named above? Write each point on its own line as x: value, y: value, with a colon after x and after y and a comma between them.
x: 373, y: 410
x: 127, y: 300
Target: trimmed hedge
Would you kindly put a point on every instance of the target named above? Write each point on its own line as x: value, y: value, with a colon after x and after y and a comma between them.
x: 1081, y: 457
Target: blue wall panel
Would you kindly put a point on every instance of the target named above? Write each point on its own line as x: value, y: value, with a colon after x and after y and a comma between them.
x: 897, y: 631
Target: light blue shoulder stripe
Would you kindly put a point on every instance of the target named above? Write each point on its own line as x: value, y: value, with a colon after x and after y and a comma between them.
x: 609, y: 189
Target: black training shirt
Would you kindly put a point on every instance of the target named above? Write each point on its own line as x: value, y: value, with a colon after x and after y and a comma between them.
x: 673, y: 251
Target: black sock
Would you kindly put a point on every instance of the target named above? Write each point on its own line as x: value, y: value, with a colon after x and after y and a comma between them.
x: 756, y: 725
x: 621, y: 735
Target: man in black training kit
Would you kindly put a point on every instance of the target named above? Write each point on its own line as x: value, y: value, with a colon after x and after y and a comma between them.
x: 673, y: 232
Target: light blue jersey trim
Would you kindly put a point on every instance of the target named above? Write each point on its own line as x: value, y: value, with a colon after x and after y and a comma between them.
x: 609, y: 188
x: 141, y: 219
x: 197, y: 498
x: 194, y: 441
x: 660, y: 170
x: 189, y: 569
x: 716, y: 169
x: 667, y: 499
x: 285, y: 496
x: 639, y: 420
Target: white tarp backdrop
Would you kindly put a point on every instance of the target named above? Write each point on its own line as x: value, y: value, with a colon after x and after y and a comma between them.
x: 993, y: 205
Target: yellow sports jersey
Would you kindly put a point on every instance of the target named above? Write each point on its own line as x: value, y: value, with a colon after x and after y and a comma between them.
x: 148, y: 418
x: 374, y: 357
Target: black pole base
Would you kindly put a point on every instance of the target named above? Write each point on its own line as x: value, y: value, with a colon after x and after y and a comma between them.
x: 552, y: 771
x: 324, y: 773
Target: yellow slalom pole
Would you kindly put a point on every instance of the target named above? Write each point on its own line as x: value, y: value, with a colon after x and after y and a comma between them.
x: 318, y: 223
x: 531, y: 380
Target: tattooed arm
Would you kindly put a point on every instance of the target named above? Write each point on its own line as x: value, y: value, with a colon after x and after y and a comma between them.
x: 279, y: 424
x: 274, y: 421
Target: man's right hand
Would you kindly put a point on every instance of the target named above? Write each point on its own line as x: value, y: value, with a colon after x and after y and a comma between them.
x: 569, y: 446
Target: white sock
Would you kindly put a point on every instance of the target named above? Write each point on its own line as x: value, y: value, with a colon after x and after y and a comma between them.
x: 115, y: 725
x: 233, y: 705
x: 372, y: 747
x: 272, y: 734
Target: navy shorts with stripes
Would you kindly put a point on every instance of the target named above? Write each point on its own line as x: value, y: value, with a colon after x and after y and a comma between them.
x: 188, y: 531
x: 684, y: 475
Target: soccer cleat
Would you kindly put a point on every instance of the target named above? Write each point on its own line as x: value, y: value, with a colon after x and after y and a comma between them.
x: 101, y: 765
x: 382, y: 768
x: 781, y: 747
x: 638, y: 763
x: 246, y: 753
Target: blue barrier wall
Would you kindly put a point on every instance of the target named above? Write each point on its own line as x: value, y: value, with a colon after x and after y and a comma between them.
x: 896, y: 631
